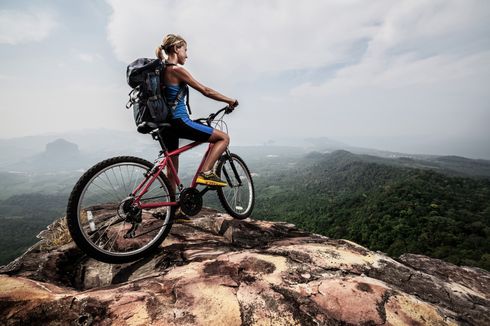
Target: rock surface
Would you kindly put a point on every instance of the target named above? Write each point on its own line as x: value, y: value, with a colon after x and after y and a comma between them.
x: 220, y: 271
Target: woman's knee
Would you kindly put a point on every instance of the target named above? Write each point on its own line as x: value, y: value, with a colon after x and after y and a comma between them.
x: 226, y: 138
x: 219, y: 135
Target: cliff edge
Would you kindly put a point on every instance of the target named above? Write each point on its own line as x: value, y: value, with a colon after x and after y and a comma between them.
x: 221, y: 271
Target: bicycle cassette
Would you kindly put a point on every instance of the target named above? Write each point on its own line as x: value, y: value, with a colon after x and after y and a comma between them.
x: 190, y: 201
x: 129, y: 212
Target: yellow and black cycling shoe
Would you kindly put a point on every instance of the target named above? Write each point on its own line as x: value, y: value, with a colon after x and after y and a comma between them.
x: 210, y: 179
x: 181, y: 218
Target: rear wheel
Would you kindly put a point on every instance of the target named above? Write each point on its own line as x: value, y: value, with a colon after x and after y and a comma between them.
x: 238, y: 197
x: 104, y: 221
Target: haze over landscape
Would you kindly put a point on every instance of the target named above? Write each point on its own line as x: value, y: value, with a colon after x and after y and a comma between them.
x: 404, y: 76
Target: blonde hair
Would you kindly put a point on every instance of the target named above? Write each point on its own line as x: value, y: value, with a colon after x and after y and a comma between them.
x: 169, y: 41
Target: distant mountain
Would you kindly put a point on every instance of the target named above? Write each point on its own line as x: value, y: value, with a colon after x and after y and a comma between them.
x: 97, y: 144
x: 450, y: 165
x: 94, y: 142
x: 59, y: 155
x: 60, y: 148
x: 463, y: 165
x: 309, y: 143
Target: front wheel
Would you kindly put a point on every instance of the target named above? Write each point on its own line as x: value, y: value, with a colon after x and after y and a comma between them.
x: 106, y: 223
x: 238, y: 197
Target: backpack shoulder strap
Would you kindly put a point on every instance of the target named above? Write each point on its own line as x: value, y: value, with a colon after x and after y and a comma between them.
x: 187, y: 100
x: 166, y: 63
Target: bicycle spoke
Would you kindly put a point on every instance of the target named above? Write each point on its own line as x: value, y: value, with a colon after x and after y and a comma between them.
x: 115, y: 179
x: 117, y: 236
x: 235, y: 196
x: 122, y: 178
x: 115, y: 191
x: 238, y: 199
x: 105, y: 229
x: 152, y: 190
x: 144, y: 233
x: 133, y: 183
x: 107, y: 192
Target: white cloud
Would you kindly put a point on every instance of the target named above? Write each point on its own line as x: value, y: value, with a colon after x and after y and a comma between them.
x: 395, y: 68
x: 418, y: 43
x: 242, y: 39
x: 400, y: 72
x: 89, y: 57
x: 227, y: 38
x: 17, y: 27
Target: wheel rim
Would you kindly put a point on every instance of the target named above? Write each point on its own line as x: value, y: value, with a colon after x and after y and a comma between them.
x: 104, y: 223
x: 238, y: 197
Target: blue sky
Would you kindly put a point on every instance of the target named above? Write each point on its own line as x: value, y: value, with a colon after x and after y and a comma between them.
x: 407, y: 75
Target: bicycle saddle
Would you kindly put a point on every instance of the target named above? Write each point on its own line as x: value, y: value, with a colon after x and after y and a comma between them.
x: 147, y: 127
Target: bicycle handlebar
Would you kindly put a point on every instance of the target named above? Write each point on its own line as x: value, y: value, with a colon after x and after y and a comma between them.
x: 227, y: 109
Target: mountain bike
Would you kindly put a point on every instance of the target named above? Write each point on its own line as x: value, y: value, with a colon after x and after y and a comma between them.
x: 122, y: 208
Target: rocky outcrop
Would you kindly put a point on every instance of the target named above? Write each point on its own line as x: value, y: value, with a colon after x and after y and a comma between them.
x: 220, y: 271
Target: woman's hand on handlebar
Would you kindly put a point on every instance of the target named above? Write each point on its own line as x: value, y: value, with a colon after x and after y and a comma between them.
x: 231, y: 106
x: 210, y: 118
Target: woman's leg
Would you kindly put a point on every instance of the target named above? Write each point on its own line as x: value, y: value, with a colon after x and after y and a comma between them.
x: 192, y: 130
x: 220, y: 141
x: 171, y: 142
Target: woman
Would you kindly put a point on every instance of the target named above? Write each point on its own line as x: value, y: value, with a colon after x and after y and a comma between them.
x: 175, y: 77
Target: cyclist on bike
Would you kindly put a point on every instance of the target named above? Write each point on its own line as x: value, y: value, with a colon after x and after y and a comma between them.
x: 174, y: 78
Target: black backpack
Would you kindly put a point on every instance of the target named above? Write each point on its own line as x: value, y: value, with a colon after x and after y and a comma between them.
x: 146, y: 99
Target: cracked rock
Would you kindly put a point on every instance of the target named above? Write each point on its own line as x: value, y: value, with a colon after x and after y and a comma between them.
x: 221, y: 271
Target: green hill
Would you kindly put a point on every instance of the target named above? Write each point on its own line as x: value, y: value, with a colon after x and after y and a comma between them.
x: 22, y: 217
x: 384, y: 207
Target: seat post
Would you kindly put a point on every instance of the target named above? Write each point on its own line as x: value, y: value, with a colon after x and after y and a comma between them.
x: 157, y: 136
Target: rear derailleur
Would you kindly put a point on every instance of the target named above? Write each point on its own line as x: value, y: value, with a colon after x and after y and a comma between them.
x: 130, y: 213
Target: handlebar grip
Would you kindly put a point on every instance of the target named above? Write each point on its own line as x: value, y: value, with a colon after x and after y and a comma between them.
x: 228, y: 109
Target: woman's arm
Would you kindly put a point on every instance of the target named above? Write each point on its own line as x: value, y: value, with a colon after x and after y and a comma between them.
x: 183, y: 75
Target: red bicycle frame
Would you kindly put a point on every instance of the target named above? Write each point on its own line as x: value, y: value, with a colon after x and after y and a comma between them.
x: 165, y: 161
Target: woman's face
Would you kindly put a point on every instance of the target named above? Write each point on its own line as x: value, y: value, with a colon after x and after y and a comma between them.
x: 181, y: 54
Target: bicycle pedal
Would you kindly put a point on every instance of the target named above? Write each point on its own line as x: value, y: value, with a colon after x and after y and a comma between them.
x: 211, y: 184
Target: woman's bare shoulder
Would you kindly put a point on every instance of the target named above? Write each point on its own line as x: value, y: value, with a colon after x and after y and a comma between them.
x: 181, y: 73
x: 177, y: 69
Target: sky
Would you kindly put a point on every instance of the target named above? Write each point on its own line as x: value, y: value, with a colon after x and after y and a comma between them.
x: 408, y: 75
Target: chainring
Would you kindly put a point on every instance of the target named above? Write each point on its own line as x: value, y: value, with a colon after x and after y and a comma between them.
x: 190, y: 201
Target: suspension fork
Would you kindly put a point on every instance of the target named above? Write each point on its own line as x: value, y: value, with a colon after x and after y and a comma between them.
x: 233, y: 168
